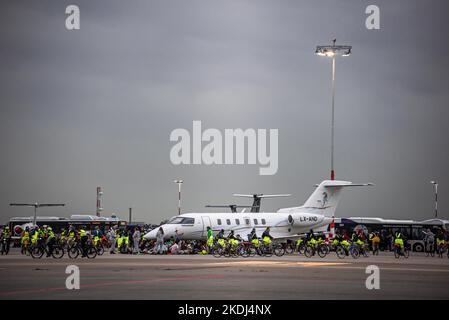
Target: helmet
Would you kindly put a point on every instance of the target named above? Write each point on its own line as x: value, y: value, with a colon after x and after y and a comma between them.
x: 49, y: 229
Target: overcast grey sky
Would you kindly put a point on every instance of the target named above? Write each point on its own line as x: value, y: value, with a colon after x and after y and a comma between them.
x: 96, y: 106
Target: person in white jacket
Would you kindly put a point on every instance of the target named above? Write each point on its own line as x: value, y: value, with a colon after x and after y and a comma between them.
x: 160, y: 241
x: 136, y: 239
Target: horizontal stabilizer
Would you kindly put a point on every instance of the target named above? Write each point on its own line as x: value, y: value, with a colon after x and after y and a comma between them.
x: 261, y: 195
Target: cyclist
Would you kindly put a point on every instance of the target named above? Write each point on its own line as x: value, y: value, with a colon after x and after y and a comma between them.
x: 375, y: 240
x: 96, y: 234
x: 310, y: 238
x: 220, y: 238
x: 232, y: 240
x: 253, y: 237
x: 338, y: 238
x: 72, y: 236
x: 50, y: 240
x: 6, y: 236
x: 399, y: 241
x: 25, y: 240
x: 35, y: 236
x: 266, y: 237
x: 440, y: 242
x: 83, y: 240
x: 210, y: 238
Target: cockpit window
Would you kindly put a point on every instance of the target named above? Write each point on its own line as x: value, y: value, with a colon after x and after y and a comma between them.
x: 181, y: 220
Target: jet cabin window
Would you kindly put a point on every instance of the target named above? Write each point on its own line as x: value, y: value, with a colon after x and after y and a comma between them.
x: 247, y: 221
x: 263, y: 221
x: 237, y: 221
x: 181, y: 220
x: 228, y: 222
x: 255, y: 222
x: 219, y: 222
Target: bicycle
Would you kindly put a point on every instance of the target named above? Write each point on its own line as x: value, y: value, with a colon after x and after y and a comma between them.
x: 311, y: 249
x: 398, y: 251
x: 441, y: 248
x: 38, y: 250
x: 354, y: 250
x: 429, y: 249
x: 363, y: 250
x: 219, y: 248
x: 97, y: 243
x: 75, y: 250
x: 290, y: 248
x: 247, y: 249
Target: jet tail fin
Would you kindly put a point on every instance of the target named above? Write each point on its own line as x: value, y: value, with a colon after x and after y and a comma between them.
x: 328, y: 194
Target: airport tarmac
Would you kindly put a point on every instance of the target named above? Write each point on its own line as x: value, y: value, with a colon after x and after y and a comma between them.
x: 205, y: 277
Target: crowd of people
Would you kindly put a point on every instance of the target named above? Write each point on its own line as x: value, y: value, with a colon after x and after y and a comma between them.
x: 131, y: 240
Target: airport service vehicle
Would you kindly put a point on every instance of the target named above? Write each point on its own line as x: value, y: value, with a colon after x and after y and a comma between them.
x: 412, y: 230
x: 287, y: 223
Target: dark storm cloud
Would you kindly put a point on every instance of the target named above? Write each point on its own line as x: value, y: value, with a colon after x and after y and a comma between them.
x: 95, y: 107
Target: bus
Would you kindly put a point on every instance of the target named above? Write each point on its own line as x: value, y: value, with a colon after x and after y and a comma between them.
x: 412, y: 230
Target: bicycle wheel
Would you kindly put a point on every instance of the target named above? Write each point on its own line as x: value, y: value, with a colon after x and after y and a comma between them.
x: 322, y: 252
x: 242, y: 251
x: 100, y: 250
x: 289, y: 249
x: 58, y: 252
x: 37, y: 252
x: 217, y: 252
x: 309, y: 251
x: 91, y: 252
x: 355, y: 253
x: 365, y: 252
x: 6, y: 248
x: 341, y: 252
x: 73, y: 252
x: 252, y: 251
x: 279, y: 250
x: 267, y: 250
x: 301, y: 249
x: 397, y: 253
x: 406, y: 253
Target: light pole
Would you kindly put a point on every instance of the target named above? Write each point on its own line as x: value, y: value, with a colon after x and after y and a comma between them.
x: 435, y: 185
x: 179, y: 182
x: 37, y: 205
x: 332, y: 51
x: 99, y: 208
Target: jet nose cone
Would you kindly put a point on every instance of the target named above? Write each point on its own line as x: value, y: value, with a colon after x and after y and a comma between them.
x: 151, y: 235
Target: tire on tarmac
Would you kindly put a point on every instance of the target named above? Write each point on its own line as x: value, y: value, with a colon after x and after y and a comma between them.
x: 309, y: 251
x: 341, y: 252
x: 37, y: 252
x: 100, y: 250
x: 355, y: 253
x: 91, y: 252
x: 279, y: 250
x: 58, y: 252
x: 322, y: 251
x: 73, y: 252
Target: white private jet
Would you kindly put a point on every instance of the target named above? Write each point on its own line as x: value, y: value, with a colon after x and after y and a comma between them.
x: 286, y: 223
